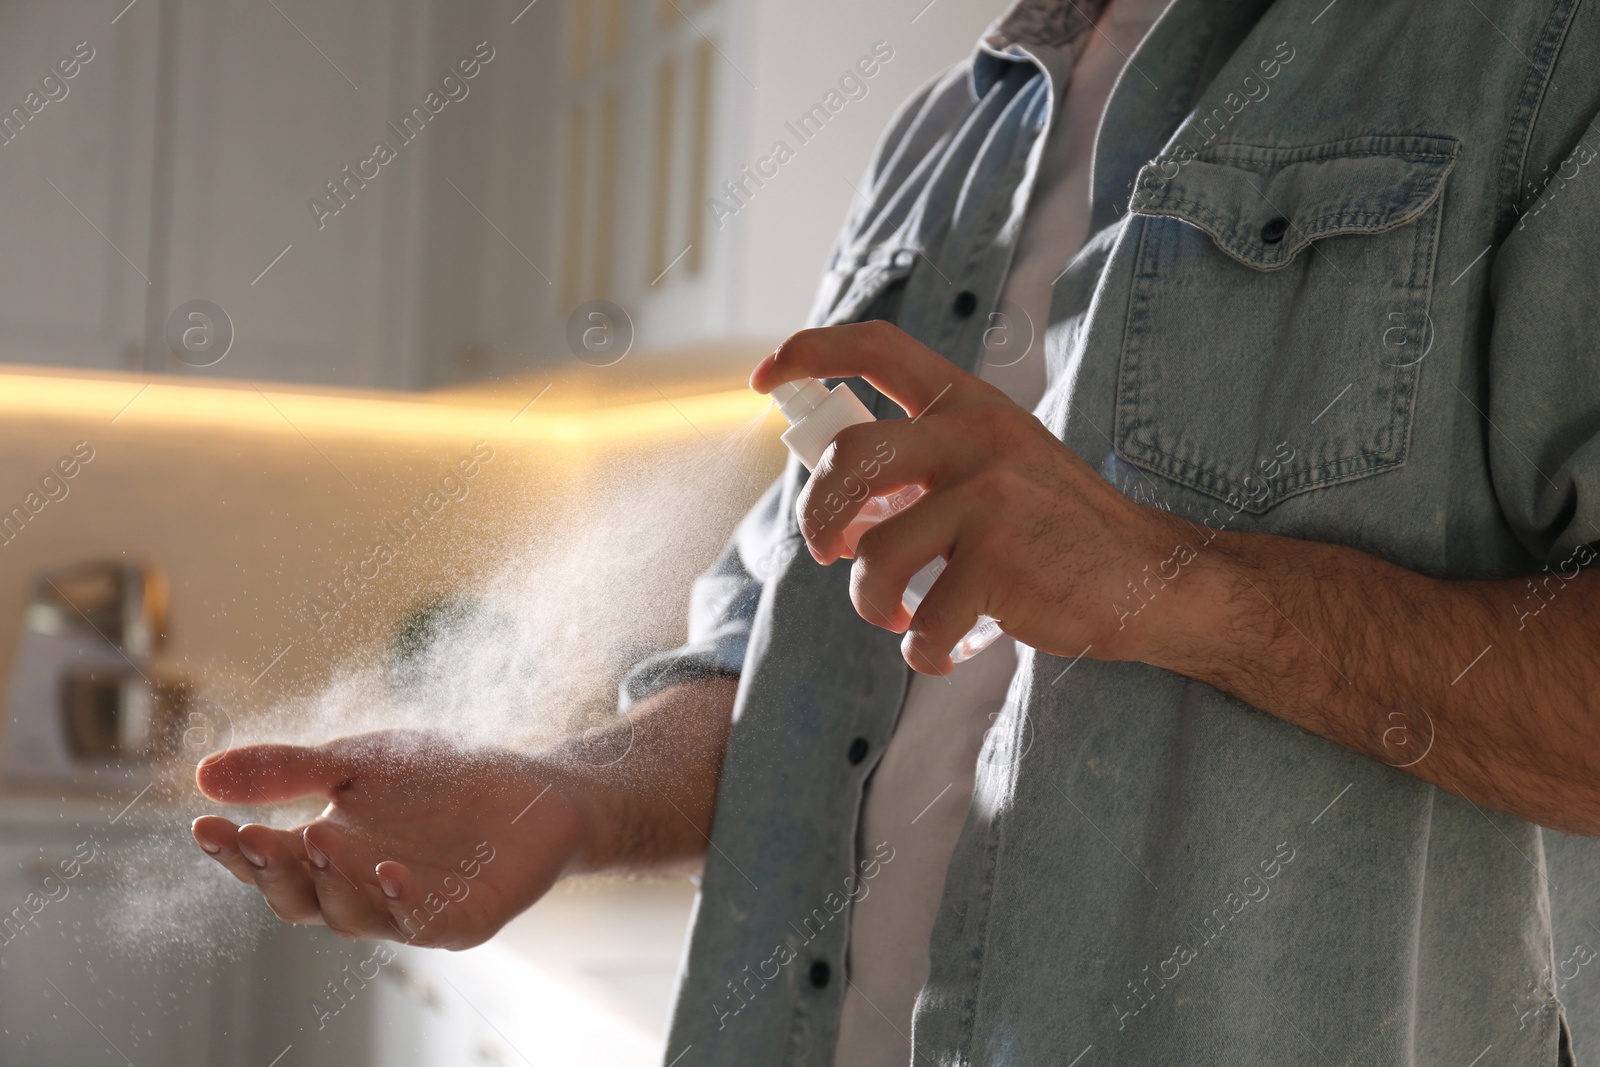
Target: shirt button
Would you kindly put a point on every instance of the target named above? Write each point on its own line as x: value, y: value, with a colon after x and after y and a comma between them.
x: 1273, y: 231
x: 819, y: 974
x: 965, y: 304
x: 858, y: 750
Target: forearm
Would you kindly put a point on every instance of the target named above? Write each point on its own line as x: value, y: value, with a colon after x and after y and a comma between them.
x: 645, y: 786
x: 1445, y: 679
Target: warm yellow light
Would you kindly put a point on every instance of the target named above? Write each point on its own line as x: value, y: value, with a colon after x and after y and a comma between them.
x: 166, y: 403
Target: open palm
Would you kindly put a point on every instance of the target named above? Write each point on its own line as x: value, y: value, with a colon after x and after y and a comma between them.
x: 421, y: 841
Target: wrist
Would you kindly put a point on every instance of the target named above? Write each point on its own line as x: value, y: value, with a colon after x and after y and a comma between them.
x: 1208, y: 608
x: 548, y: 809
x: 1250, y: 614
x: 575, y: 808
x: 1175, y: 577
x: 637, y: 793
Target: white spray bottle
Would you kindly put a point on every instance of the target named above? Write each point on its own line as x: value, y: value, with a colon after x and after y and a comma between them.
x: 815, y: 418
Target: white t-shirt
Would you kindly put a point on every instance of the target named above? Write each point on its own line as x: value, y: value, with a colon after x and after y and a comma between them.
x: 917, y: 797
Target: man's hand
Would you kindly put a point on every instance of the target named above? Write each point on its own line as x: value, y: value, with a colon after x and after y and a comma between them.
x: 1485, y: 688
x: 421, y: 841
x: 438, y: 845
x: 1033, y: 537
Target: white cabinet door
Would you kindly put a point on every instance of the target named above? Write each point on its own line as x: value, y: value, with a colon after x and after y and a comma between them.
x: 84, y: 981
x: 488, y: 1006
x: 272, y: 102
x: 75, y: 176
x: 66, y: 997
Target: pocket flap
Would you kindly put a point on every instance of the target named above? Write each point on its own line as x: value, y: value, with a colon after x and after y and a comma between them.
x: 1263, y: 205
x: 856, y: 284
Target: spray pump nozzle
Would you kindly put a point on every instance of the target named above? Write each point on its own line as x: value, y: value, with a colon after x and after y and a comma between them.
x: 816, y: 415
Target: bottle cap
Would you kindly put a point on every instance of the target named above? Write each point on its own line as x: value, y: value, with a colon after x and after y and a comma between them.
x: 799, y: 398
x: 816, y: 416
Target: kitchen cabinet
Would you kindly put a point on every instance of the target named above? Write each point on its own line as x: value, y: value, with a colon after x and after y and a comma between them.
x: 76, y: 169
x: 81, y: 983
x: 76, y: 988
x: 617, y: 150
x: 182, y: 162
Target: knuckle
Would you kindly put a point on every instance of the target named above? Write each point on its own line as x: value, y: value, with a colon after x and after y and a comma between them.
x: 990, y: 420
x: 827, y: 467
x: 820, y: 516
x: 933, y: 617
x: 916, y: 648
x: 881, y: 331
x: 293, y: 913
x: 996, y: 426
x: 992, y: 491
x: 854, y: 440
x: 1014, y: 484
x: 994, y: 551
x: 870, y: 608
x: 794, y: 348
x: 241, y: 871
x: 873, y: 551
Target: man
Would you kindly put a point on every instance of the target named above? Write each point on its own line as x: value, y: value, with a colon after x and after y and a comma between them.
x: 1295, y: 555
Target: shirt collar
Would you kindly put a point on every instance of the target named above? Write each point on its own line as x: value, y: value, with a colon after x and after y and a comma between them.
x: 1042, y: 23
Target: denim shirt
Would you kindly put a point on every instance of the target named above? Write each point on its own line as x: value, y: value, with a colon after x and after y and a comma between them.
x: 1339, y: 287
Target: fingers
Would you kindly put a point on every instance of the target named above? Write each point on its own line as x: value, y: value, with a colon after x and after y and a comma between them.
x: 346, y: 890
x: 872, y: 460
x: 219, y: 839
x: 896, y: 364
x: 277, y: 862
x: 950, y: 609
x: 244, y: 856
x: 892, y: 552
x: 890, y: 555
x: 318, y: 876
x: 421, y: 917
x: 257, y: 774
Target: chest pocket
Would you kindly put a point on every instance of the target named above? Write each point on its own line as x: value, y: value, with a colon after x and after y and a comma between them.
x: 871, y: 287
x: 868, y: 288
x: 1278, y: 314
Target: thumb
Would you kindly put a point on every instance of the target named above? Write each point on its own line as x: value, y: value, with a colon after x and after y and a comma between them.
x: 267, y: 774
